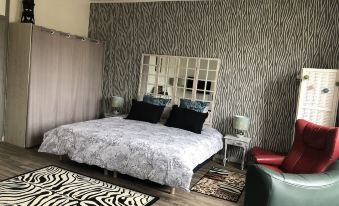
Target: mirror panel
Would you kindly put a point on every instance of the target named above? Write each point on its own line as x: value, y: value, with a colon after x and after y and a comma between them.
x: 180, y: 92
x: 192, y: 63
x: 213, y: 65
x: 153, y: 60
x: 169, y: 91
x: 171, y: 72
x: 150, y: 89
x: 202, y: 74
x: 172, y: 62
x: 182, y: 73
x: 183, y: 63
x: 163, y: 62
x: 190, y: 73
x: 161, y: 90
x: 212, y: 75
x: 213, y: 88
x: 203, y: 64
x: 162, y: 81
x: 151, y: 69
x: 209, y: 96
x: 199, y: 95
x: 151, y: 79
x: 146, y: 59
x: 181, y: 82
x: 189, y: 94
x: 176, y: 77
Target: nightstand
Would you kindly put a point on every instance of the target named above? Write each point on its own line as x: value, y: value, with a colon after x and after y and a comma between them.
x: 243, y: 142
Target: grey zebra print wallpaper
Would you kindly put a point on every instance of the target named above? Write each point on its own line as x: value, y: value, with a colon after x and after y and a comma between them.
x: 262, y: 44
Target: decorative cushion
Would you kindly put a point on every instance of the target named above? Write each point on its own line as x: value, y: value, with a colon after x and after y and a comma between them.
x: 186, y: 119
x: 197, y: 106
x: 156, y: 100
x: 143, y: 111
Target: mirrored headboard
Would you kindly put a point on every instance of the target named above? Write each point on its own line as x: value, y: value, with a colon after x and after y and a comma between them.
x: 176, y: 77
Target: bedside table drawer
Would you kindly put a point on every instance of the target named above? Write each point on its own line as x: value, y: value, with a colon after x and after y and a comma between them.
x: 236, y: 143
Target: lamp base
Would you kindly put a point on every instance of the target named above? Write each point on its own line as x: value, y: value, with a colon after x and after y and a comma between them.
x: 240, y: 134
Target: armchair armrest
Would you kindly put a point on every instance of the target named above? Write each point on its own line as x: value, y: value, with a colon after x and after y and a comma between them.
x: 262, y: 156
x: 265, y: 187
x: 273, y: 159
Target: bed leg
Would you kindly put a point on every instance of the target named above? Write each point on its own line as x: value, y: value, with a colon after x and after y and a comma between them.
x: 115, y: 174
x: 60, y: 157
x: 172, y: 191
x: 105, y: 172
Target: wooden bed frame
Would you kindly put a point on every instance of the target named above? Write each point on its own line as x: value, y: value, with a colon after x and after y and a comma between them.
x: 115, y: 175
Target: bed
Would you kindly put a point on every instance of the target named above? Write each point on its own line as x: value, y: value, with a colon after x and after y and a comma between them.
x: 164, y: 155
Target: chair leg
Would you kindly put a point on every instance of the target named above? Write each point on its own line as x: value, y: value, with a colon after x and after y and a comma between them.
x: 172, y: 191
x: 60, y: 158
x: 115, y: 174
x: 105, y: 172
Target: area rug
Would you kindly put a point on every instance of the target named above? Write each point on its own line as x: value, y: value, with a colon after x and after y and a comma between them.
x: 56, y: 186
x: 222, y: 184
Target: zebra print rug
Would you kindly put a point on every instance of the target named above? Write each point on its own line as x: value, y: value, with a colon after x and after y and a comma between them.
x: 222, y: 184
x: 55, y: 186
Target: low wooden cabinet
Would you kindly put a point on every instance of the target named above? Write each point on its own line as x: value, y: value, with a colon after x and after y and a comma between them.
x: 53, y: 78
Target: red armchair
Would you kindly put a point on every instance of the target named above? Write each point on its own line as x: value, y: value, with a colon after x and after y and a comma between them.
x: 314, y: 149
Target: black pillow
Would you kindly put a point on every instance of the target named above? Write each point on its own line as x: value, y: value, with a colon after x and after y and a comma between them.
x: 143, y: 111
x: 186, y: 119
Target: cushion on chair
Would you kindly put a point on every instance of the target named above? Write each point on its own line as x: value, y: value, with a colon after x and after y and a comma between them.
x: 315, y: 148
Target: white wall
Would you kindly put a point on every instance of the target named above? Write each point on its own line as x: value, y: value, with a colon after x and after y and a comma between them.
x: 71, y: 16
x: 2, y: 7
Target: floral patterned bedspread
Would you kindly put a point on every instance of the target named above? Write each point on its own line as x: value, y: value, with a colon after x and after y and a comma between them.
x: 143, y: 150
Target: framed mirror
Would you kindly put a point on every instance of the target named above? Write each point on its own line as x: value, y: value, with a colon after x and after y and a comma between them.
x: 176, y: 77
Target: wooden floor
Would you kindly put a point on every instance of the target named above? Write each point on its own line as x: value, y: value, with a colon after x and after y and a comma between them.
x: 15, y: 161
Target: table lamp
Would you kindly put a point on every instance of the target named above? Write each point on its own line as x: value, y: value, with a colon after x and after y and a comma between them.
x: 241, y: 124
x: 117, y: 102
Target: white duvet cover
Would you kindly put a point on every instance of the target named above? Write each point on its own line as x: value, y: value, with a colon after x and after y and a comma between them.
x: 143, y: 150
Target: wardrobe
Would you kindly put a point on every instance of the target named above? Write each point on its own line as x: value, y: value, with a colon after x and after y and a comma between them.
x: 53, y: 79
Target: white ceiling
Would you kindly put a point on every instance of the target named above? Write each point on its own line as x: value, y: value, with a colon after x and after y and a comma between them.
x: 129, y: 1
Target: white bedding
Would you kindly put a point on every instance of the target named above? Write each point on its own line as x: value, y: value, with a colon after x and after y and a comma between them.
x: 143, y: 150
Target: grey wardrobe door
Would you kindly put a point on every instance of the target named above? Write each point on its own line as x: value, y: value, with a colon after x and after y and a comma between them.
x: 87, y: 80
x: 95, y: 67
x: 3, y: 46
x: 43, y: 85
x: 19, y: 51
x: 67, y: 80
x: 80, y: 84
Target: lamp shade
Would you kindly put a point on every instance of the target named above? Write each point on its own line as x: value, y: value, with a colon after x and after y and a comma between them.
x: 117, y: 102
x: 241, y: 123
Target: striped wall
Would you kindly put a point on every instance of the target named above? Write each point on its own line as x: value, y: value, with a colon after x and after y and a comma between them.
x: 263, y: 45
